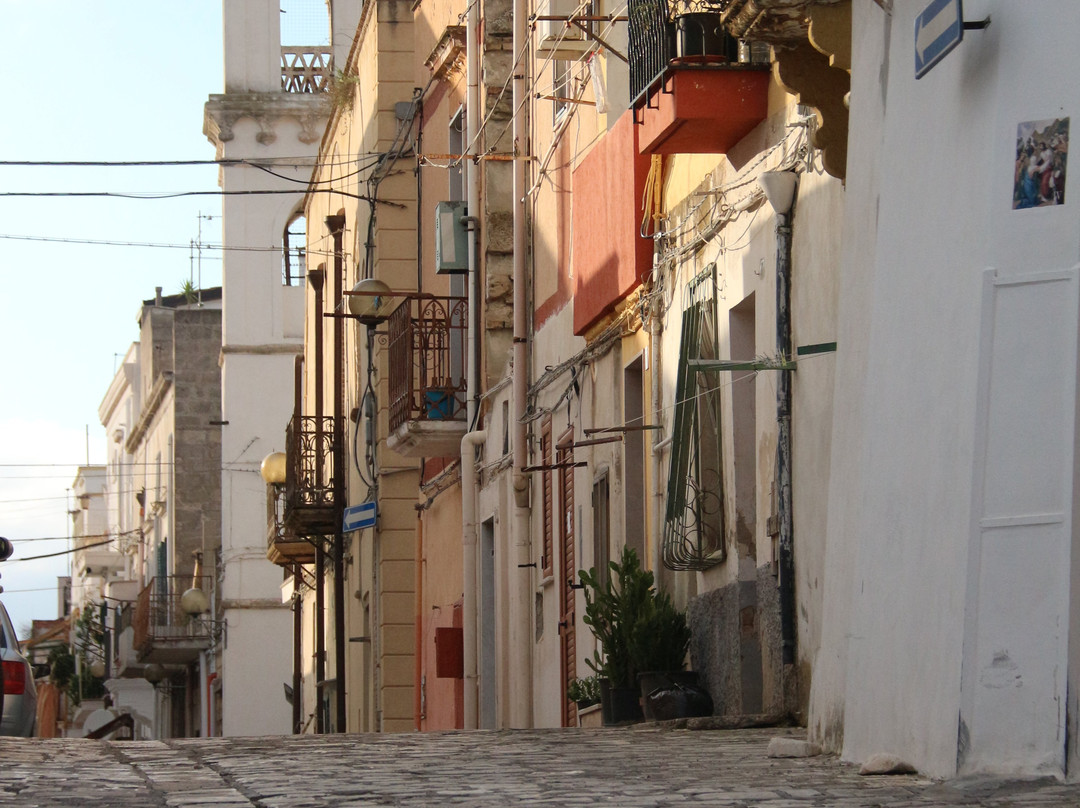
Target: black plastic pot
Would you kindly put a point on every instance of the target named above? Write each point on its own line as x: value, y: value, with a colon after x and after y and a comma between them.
x: 619, y: 705
x: 667, y: 695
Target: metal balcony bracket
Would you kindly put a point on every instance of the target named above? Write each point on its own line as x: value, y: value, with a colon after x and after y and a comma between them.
x: 596, y: 38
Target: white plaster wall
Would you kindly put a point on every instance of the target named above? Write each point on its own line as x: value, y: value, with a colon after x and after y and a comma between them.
x: 870, y: 31
x: 252, y: 37
x: 258, y: 661
x: 815, y: 282
x: 261, y: 320
x: 936, y: 178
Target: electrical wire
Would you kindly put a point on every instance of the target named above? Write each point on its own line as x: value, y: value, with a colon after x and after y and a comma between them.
x: 152, y: 195
x: 150, y: 244
x: 60, y: 553
x: 285, y: 162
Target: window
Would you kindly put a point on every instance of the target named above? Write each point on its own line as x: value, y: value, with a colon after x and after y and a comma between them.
x: 560, y: 87
x: 694, y: 527
x: 601, y: 496
x: 634, y: 457
x: 293, y: 252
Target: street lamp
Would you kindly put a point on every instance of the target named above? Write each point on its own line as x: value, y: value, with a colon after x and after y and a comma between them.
x: 371, y: 301
x: 154, y: 674
x: 273, y: 468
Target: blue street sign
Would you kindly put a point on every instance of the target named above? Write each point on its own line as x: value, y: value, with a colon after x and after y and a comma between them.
x: 938, y: 30
x: 359, y: 516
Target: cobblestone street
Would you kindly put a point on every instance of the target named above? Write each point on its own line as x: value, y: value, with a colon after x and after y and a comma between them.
x: 538, y: 767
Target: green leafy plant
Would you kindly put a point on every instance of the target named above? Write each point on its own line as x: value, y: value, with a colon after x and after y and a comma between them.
x: 638, y: 628
x: 78, y: 686
x: 190, y: 293
x: 585, y: 691
x: 342, y: 89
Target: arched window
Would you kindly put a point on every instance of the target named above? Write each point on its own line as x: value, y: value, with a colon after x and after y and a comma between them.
x: 293, y: 251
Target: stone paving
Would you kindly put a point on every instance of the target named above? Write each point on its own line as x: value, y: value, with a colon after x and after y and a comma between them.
x: 618, y: 767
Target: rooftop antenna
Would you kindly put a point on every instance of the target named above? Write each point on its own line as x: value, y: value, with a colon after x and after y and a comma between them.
x: 198, y: 247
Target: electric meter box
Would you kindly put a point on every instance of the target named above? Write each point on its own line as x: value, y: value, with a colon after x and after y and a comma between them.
x: 451, y: 238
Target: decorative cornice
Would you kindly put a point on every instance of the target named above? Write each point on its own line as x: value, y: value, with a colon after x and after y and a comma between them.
x: 223, y: 111
x: 448, y: 55
x: 274, y: 349
x: 773, y: 21
x: 816, y: 69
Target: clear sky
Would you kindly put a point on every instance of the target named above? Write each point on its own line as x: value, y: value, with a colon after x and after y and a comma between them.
x: 119, y: 80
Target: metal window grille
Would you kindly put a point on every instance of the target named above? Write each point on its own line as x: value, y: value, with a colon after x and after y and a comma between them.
x: 694, y: 525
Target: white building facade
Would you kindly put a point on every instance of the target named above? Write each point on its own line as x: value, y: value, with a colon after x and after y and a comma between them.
x: 948, y: 631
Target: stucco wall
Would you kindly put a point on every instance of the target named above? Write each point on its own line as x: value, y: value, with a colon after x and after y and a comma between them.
x: 940, y: 195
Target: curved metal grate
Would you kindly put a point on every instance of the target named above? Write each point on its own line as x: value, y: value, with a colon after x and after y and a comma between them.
x: 694, y: 524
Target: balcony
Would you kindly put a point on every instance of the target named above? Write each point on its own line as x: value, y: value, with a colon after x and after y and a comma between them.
x: 305, y: 70
x: 91, y: 557
x: 162, y: 632
x: 427, y: 355
x: 284, y: 547
x: 308, y: 509
x: 696, y: 90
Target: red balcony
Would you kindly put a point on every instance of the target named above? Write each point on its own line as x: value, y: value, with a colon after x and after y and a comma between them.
x: 696, y: 90
x: 427, y: 356
x: 702, y: 110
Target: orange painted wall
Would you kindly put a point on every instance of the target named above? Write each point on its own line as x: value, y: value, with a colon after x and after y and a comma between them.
x: 442, y: 702
x: 609, y: 256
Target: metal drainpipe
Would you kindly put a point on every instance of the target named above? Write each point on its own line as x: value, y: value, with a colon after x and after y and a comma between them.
x: 783, y: 442
x: 337, y: 227
x: 521, y: 616
x: 469, y: 480
x: 298, y: 658
x: 316, y: 280
x: 418, y: 622
x: 298, y: 580
x: 469, y: 493
x: 472, y: 222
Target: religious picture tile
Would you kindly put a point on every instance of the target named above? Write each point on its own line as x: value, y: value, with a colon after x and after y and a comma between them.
x: 1042, y: 153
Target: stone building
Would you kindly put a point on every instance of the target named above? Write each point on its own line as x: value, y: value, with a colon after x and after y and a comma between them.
x: 162, y: 498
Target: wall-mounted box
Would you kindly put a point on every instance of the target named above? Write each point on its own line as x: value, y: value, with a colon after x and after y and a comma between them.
x: 449, y: 653
x: 451, y: 238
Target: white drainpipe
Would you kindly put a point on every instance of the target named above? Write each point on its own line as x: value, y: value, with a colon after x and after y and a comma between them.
x: 656, y: 397
x: 521, y: 613
x: 472, y: 197
x: 469, y: 493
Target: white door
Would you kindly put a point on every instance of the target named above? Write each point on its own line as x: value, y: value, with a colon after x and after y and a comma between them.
x: 1013, y: 696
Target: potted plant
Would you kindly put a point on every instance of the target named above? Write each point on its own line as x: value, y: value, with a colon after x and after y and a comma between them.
x: 585, y: 691
x: 638, y: 630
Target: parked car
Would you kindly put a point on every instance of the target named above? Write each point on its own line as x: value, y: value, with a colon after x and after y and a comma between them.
x: 20, y: 694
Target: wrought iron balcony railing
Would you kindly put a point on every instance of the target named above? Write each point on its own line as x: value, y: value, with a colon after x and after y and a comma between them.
x: 309, y: 475
x: 687, y: 33
x: 160, y: 624
x: 427, y: 351
x: 283, y: 545
x: 305, y: 70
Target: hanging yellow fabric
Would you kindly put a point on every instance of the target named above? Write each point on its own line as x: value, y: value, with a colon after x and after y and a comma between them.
x: 652, y: 197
